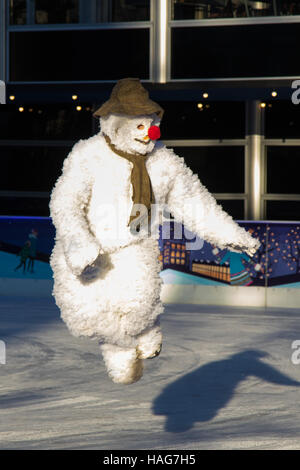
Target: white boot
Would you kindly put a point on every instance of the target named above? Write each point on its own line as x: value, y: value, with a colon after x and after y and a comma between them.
x: 122, y: 364
x: 149, y: 343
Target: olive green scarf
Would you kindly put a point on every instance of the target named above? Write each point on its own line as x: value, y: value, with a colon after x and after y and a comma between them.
x: 140, y: 180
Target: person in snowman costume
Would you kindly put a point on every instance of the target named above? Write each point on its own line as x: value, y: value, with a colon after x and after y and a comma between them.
x: 105, y: 207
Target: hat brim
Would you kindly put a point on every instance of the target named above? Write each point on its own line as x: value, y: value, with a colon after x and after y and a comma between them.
x: 137, y: 110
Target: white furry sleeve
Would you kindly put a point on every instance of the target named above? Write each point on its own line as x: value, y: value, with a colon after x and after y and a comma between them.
x: 192, y: 205
x: 68, y: 201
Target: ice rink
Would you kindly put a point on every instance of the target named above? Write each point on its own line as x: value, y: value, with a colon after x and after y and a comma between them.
x: 224, y: 380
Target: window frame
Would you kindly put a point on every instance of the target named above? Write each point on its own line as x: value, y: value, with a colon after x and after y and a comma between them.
x: 265, y: 197
x: 221, y: 143
x: 30, y: 26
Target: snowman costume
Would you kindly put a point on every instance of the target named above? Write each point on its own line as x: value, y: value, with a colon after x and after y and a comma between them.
x: 106, y: 208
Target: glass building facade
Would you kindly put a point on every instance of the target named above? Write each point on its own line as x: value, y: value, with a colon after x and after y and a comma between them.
x: 224, y: 71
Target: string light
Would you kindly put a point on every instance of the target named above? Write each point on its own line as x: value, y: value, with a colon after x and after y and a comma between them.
x: 12, y: 97
x: 199, y: 105
x: 274, y: 93
x: 262, y: 105
x: 79, y: 108
x: 74, y: 97
x: 21, y: 109
x: 205, y: 95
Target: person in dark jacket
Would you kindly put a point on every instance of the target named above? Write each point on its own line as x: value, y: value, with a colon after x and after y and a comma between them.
x: 24, y: 254
x: 32, y: 253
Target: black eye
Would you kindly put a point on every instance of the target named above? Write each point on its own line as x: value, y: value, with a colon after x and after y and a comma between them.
x: 141, y: 127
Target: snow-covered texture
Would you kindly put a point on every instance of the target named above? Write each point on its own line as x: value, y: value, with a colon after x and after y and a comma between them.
x: 224, y: 380
x: 106, y: 278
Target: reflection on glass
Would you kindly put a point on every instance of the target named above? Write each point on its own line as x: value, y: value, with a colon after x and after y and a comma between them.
x: 186, y: 120
x: 31, y: 168
x: 283, y: 167
x: 56, y: 11
x: 200, y: 9
x: 45, y: 55
x: 282, y: 120
x: 220, y: 169
x: 123, y: 10
x: 282, y: 210
x: 17, y: 12
x: 233, y: 207
x: 76, y: 11
x: 51, y: 121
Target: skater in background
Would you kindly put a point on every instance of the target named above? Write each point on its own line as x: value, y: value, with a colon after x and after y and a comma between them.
x: 24, y: 254
x: 32, y: 253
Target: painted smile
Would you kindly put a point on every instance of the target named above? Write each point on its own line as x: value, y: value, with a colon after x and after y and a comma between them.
x: 143, y: 142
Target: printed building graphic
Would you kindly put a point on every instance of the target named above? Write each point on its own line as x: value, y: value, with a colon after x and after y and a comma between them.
x: 211, y: 270
x: 175, y: 255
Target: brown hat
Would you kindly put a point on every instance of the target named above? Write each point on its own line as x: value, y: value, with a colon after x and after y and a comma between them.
x: 131, y: 98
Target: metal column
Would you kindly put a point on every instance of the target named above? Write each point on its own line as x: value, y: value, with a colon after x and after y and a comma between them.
x: 254, y: 160
x: 160, y: 58
x: 2, y: 40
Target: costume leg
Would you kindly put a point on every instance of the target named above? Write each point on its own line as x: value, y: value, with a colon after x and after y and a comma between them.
x: 122, y: 364
x: 149, y: 343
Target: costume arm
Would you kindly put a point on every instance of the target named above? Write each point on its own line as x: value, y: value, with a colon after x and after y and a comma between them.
x: 69, y: 199
x: 192, y: 204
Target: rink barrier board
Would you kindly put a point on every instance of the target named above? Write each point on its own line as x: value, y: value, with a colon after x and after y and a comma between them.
x: 176, y: 293
x: 203, y: 275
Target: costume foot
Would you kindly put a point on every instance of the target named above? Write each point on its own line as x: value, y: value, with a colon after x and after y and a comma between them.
x: 144, y: 354
x: 149, y: 343
x: 123, y: 365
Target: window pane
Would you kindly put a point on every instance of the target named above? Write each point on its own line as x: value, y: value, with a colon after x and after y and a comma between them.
x: 27, y: 206
x: 282, y: 119
x: 30, y: 168
x: 17, y: 12
x: 52, y: 121
x: 32, y: 57
x: 185, y: 120
x: 198, y: 9
x: 283, y: 169
x: 235, y: 208
x: 283, y: 210
x: 235, y: 51
x: 220, y: 169
x: 123, y: 10
x: 56, y: 11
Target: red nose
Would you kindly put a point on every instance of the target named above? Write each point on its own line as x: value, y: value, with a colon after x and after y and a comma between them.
x: 154, y: 132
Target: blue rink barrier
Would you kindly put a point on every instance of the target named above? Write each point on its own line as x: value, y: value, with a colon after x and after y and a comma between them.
x: 276, y: 263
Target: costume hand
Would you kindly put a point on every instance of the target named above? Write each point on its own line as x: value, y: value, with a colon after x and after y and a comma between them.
x: 92, y: 270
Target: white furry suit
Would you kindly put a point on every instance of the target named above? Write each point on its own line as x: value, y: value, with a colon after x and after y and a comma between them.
x: 118, y: 301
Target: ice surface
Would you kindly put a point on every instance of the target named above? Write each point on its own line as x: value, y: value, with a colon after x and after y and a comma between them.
x: 224, y: 380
